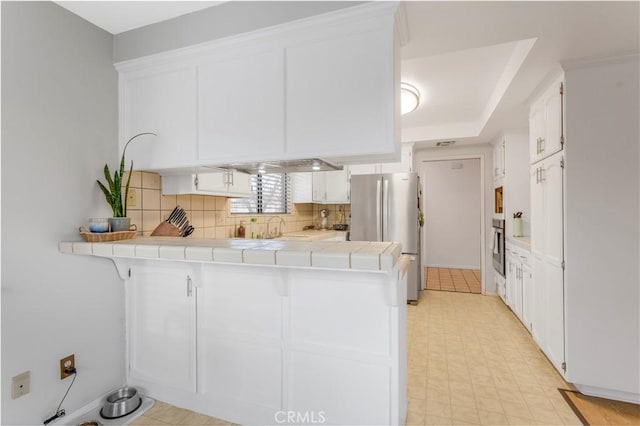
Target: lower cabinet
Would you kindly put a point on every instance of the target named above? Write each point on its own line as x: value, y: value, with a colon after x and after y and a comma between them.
x: 519, y: 280
x: 548, y: 320
x: 162, y: 326
x: 527, y: 295
x: 245, y: 343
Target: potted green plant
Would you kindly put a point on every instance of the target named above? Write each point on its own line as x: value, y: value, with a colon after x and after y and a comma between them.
x: 113, y: 193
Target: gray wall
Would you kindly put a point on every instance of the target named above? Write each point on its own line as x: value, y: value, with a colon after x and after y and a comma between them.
x: 220, y: 21
x: 452, y: 201
x: 59, y: 127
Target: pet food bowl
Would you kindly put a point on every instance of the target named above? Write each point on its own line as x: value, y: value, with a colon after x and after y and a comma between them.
x: 120, y: 403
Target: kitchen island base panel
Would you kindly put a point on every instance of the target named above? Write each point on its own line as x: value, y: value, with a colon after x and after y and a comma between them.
x: 273, y: 340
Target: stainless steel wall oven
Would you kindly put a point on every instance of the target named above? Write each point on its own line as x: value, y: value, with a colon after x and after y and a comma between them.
x: 498, y: 246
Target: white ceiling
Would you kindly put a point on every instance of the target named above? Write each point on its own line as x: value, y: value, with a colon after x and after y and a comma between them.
x: 120, y: 16
x: 476, y: 63
x: 456, y: 49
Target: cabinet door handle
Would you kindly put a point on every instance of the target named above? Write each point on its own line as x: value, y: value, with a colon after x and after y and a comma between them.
x: 537, y: 174
x: 542, y: 177
x: 541, y: 145
x: 189, y: 287
x: 538, y: 146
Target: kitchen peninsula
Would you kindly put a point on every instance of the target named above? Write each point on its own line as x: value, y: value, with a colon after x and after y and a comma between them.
x: 246, y: 329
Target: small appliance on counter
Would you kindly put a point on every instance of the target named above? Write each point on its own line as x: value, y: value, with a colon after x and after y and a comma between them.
x: 324, y: 219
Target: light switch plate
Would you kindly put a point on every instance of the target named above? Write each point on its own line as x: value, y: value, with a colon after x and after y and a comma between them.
x: 20, y: 384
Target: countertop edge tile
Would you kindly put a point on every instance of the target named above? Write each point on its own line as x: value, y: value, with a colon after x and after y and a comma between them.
x: 148, y: 252
x: 364, y: 256
x: 103, y: 250
x: 82, y: 248
x: 204, y: 254
x: 172, y: 252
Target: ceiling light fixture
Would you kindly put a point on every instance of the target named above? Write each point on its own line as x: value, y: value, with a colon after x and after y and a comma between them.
x: 409, y: 98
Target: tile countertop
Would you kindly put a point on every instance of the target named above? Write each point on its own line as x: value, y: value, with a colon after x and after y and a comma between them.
x: 356, y: 255
x: 522, y: 242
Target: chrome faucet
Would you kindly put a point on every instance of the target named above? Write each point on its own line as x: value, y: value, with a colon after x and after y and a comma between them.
x: 278, y: 231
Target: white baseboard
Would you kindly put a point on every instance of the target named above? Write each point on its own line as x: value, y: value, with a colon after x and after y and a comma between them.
x: 454, y: 266
x: 631, y: 397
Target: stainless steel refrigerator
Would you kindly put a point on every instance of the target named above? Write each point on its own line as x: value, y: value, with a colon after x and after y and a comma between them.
x: 385, y: 207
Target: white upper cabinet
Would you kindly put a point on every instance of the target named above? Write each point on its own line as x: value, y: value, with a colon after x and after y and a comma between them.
x: 227, y: 184
x: 546, y: 120
x: 340, y: 96
x: 301, y: 187
x: 326, y: 87
x: 241, y: 113
x: 332, y: 187
x: 161, y: 101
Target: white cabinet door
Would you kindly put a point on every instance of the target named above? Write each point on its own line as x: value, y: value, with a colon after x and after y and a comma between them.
x: 331, y: 187
x: 539, y: 321
x: 552, y: 185
x: 301, y: 187
x: 554, y: 342
x: 517, y: 292
x: 546, y: 123
x: 240, y: 327
x: 165, y: 103
x: 536, y: 130
x: 241, y: 108
x: 553, y: 120
x: 510, y: 272
x: 337, y: 186
x: 340, y: 96
x: 239, y: 184
x: 527, y: 296
x: 537, y: 212
x: 319, y: 193
x: 162, y: 325
x: 215, y: 183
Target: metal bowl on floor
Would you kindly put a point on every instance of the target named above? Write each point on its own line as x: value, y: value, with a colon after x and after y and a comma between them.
x: 120, y: 403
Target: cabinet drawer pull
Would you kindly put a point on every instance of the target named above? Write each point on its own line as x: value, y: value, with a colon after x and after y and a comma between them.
x: 189, y: 287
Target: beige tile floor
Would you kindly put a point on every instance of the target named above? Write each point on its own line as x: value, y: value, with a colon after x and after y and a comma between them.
x: 447, y: 279
x: 472, y: 362
x: 162, y: 414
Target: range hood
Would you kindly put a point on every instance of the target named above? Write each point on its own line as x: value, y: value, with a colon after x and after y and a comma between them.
x: 283, y: 166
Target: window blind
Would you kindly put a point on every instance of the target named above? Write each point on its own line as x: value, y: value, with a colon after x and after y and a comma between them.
x: 270, y: 194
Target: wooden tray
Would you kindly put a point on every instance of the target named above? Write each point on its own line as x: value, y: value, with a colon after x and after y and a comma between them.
x: 102, y: 237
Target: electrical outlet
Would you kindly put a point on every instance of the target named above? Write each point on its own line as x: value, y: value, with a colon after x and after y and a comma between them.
x: 20, y: 384
x: 131, y: 198
x: 67, y: 362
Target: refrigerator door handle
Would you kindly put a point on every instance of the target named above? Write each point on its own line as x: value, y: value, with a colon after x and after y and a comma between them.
x: 385, y: 211
x: 378, y: 210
